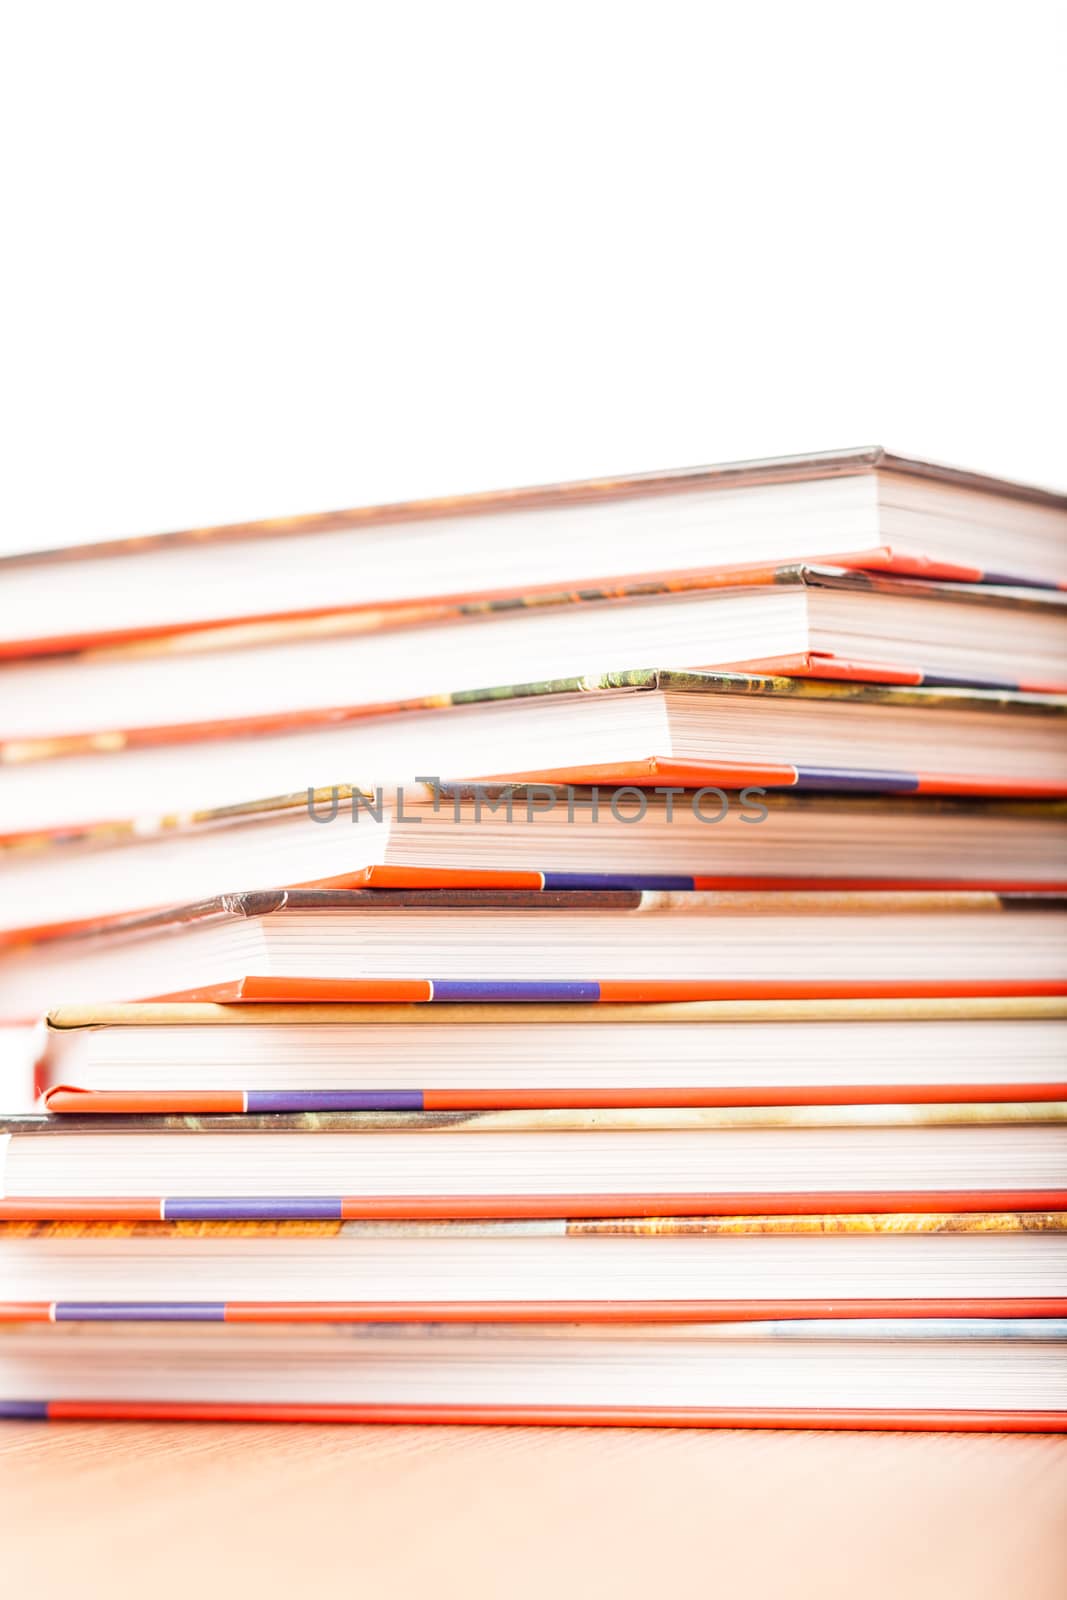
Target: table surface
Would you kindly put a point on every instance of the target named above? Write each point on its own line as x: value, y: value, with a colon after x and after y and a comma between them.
x: 131, y: 1509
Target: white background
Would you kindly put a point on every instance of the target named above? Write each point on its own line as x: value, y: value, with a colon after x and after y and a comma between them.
x: 267, y: 258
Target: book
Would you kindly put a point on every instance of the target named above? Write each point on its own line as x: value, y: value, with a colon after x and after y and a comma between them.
x: 509, y: 1164
x: 213, y: 1059
x: 864, y: 506
x: 577, y: 946
x: 803, y: 621
x: 646, y: 728
x: 666, y: 1376
x: 532, y: 837
x: 752, y: 1268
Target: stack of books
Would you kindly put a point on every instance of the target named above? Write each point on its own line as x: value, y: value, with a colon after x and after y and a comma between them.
x: 594, y: 954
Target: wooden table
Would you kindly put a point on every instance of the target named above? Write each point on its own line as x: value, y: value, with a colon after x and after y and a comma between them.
x: 202, y: 1510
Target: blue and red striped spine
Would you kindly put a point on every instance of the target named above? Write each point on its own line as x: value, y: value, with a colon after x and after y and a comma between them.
x: 461, y: 1207
x: 1046, y: 1309
x: 861, y: 1419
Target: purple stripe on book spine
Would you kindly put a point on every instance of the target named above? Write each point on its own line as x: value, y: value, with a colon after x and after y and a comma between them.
x: 139, y: 1311
x: 28, y: 1410
x: 1011, y: 580
x: 335, y: 1100
x: 616, y: 880
x: 252, y: 1208
x: 856, y: 778
x: 948, y: 680
x: 507, y: 989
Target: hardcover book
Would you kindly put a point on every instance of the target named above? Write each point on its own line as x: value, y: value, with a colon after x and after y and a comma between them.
x: 272, y: 1059
x: 918, y: 1266
x: 336, y: 1166
x: 666, y: 1376
x: 577, y: 946
x: 647, y: 726
x: 532, y: 837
